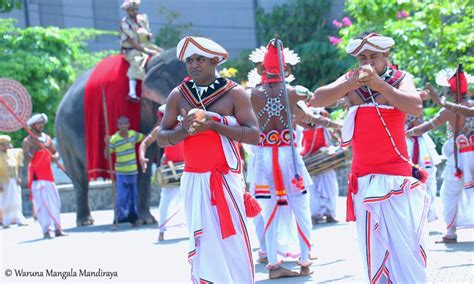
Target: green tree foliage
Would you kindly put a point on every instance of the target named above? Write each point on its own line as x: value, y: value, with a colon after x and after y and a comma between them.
x: 170, y: 33
x: 46, y: 61
x: 429, y: 36
x: 303, y: 27
x: 8, y: 5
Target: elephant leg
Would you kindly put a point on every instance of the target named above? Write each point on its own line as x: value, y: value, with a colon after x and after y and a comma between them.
x: 83, y: 211
x: 78, y: 175
x: 144, y: 192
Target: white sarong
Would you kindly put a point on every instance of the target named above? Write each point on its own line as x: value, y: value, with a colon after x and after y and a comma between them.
x: 12, y: 210
x: 391, y: 214
x: 171, y: 208
x: 212, y: 258
x: 47, y: 205
x: 323, y: 194
x: 457, y: 194
x: 286, y: 228
x: 428, y: 159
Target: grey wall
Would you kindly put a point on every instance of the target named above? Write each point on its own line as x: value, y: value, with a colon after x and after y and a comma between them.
x: 229, y: 22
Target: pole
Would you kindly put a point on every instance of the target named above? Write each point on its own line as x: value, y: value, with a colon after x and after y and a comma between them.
x: 456, y: 123
x: 278, y: 45
x: 109, y: 159
x: 27, y: 13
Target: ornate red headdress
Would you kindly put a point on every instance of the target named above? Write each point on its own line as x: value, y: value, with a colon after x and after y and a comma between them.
x: 271, y: 64
x: 462, y: 82
x: 267, y: 70
x: 447, y: 78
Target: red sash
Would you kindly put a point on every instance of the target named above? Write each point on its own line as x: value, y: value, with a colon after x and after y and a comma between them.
x: 40, y: 167
x: 372, y: 151
x: 203, y: 152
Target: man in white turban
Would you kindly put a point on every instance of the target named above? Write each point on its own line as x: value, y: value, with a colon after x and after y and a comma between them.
x: 387, y: 203
x: 40, y: 177
x: 135, y: 35
x: 212, y: 181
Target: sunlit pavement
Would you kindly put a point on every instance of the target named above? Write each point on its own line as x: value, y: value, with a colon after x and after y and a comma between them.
x: 96, y: 254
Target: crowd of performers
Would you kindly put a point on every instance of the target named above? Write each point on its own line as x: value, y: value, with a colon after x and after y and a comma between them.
x: 392, y: 184
x: 208, y: 120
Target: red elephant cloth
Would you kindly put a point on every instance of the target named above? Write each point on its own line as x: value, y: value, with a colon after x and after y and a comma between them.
x: 110, y: 75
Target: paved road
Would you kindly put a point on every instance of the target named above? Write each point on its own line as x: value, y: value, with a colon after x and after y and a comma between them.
x: 133, y: 255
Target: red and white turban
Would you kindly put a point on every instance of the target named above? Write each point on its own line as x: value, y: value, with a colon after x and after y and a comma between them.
x: 39, y: 117
x: 202, y: 46
x: 129, y: 4
x: 372, y: 42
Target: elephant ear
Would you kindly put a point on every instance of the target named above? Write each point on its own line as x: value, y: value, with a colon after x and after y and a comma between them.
x: 163, y: 75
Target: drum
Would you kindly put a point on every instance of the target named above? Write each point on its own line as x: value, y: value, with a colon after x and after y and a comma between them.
x: 326, y: 159
x: 169, y: 175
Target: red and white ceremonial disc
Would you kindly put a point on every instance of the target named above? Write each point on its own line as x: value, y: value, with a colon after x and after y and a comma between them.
x: 16, y: 96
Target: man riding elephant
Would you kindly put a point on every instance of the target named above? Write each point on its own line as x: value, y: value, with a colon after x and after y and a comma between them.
x: 80, y: 137
x: 135, y: 35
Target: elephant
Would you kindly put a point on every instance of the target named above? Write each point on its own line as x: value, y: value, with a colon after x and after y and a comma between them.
x: 163, y: 73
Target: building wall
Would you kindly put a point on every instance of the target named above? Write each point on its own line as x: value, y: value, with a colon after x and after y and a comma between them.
x: 229, y: 22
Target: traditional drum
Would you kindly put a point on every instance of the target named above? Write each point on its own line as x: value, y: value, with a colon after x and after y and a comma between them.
x: 326, y: 159
x: 169, y: 175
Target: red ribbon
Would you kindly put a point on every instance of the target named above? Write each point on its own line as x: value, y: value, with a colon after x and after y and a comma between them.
x: 352, y: 188
x: 218, y: 199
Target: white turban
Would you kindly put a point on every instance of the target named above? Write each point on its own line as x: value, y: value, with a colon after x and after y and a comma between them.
x: 202, y: 46
x: 39, y: 117
x: 130, y: 3
x: 372, y: 42
x: 5, y: 138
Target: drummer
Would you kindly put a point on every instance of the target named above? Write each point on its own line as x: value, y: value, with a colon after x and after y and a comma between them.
x: 325, y: 189
x: 282, y: 200
x: 171, y: 200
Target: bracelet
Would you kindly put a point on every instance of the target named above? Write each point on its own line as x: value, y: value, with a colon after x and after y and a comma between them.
x: 168, y: 138
x: 242, y: 134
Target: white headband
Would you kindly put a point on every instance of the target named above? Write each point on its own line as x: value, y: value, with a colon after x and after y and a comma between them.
x: 37, y: 118
x: 372, y: 42
x: 202, y: 46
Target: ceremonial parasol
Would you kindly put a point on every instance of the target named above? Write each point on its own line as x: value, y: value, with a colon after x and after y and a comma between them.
x: 14, y: 96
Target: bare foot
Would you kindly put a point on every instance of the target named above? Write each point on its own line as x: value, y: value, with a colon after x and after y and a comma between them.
x: 305, y: 271
x: 446, y: 240
x: 262, y: 259
x: 161, y: 236
x: 281, y: 272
